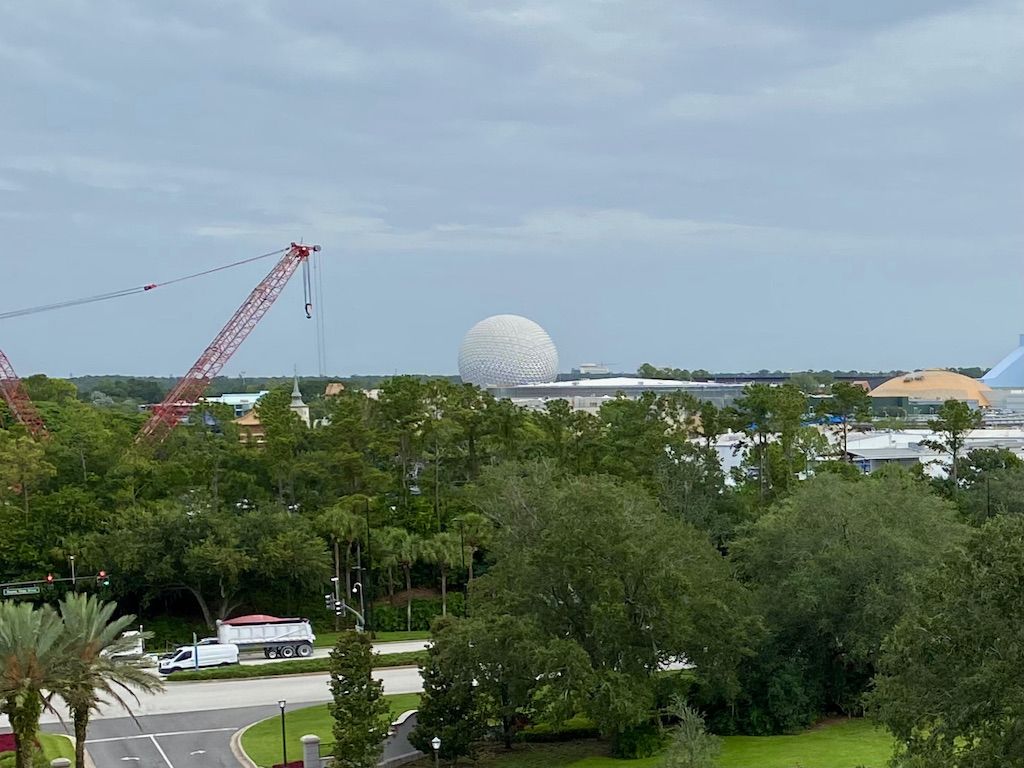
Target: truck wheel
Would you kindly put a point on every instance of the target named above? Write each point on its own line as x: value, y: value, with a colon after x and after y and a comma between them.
x: 271, y: 653
x: 305, y: 651
x: 288, y: 651
x: 266, y: 653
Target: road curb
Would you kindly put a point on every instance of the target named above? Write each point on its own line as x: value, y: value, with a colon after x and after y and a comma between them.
x: 277, y: 677
x: 236, y: 746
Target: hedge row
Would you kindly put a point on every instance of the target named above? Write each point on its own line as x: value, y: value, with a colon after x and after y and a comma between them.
x: 294, y: 667
x: 392, y: 618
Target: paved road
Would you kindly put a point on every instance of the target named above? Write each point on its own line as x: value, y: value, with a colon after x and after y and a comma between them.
x: 190, y: 724
x: 190, y: 740
x: 171, y: 741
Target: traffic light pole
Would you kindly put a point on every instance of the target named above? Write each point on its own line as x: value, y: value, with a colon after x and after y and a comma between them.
x: 102, y: 577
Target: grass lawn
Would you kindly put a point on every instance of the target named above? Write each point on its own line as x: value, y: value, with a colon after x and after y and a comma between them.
x: 845, y: 744
x: 262, y: 742
x: 54, y: 746
x: 328, y: 639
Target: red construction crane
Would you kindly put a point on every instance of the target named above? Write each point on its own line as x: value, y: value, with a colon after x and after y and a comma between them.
x: 18, y: 402
x: 187, y: 392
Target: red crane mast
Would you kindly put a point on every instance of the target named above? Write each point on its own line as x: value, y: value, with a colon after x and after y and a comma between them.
x: 17, y: 399
x: 190, y: 388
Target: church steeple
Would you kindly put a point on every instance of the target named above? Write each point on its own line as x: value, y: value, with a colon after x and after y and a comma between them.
x: 298, y: 406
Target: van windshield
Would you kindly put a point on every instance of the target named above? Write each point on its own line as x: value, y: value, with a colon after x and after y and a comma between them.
x: 183, y: 656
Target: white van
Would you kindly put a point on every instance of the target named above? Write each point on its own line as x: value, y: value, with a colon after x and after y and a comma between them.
x: 210, y: 655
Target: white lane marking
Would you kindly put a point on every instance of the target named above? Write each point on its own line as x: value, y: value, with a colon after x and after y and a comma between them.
x: 162, y: 753
x: 131, y: 758
x: 198, y: 752
x: 161, y: 735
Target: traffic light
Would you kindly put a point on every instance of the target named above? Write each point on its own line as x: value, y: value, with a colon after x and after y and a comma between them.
x: 337, y: 608
x: 49, y: 578
x: 329, y: 602
x: 103, y: 579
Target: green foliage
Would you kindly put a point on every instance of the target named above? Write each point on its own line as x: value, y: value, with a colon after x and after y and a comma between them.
x: 215, y: 554
x: 33, y: 658
x: 578, y: 727
x: 598, y: 566
x: 829, y: 567
x: 690, y: 745
x: 950, y: 685
x: 92, y: 634
x: 450, y: 708
x: 638, y: 742
x: 991, y: 483
x: 955, y: 421
x: 765, y: 413
x: 361, y: 714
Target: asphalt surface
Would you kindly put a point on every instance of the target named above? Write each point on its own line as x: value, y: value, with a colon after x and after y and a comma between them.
x: 191, y: 740
x: 190, y: 724
x: 188, y: 740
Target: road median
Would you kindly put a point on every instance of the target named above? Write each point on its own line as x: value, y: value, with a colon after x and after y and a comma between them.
x: 295, y: 667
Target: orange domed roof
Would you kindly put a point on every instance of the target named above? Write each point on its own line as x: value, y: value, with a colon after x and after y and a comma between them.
x: 935, y: 384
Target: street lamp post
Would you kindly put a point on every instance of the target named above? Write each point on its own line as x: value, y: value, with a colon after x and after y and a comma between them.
x: 357, y: 587
x: 436, y: 744
x: 72, y: 570
x: 284, y: 742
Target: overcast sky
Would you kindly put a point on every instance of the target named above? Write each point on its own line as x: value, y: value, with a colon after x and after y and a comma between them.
x: 730, y: 185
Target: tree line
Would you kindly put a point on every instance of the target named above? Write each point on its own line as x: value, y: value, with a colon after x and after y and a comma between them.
x: 597, y: 548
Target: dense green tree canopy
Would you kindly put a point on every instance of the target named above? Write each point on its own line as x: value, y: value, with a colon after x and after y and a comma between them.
x: 951, y: 682
x: 830, y: 568
x: 596, y: 562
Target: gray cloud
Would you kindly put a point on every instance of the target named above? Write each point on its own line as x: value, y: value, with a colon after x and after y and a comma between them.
x: 694, y: 183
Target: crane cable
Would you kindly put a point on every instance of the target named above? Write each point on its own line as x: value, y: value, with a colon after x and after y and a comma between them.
x: 130, y: 291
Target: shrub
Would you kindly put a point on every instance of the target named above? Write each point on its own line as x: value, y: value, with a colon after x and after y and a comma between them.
x: 576, y: 728
x: 391, y: 618
x: 638, y: 743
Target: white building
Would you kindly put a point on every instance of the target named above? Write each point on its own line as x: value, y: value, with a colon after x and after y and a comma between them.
x: 242, y: 402
x: 589, y: 394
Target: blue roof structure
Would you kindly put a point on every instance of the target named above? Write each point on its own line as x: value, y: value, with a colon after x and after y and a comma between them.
x: 1008, y: 372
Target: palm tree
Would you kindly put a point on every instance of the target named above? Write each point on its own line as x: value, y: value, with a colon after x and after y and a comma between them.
x: 445, y: 551
x: 33, y: 658
x: 405, y: 548
x: 91, y: 637
x: 477, y: 532
x: 342, y: 528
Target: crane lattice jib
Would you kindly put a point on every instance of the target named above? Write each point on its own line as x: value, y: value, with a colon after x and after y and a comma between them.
x: 17, y: 399
x: 183, y: 397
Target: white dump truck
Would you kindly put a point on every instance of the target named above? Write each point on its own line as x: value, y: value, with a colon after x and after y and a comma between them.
x: 278, y: 638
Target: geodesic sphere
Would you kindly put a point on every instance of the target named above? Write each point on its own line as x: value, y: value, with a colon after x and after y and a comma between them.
x: 505, y: 351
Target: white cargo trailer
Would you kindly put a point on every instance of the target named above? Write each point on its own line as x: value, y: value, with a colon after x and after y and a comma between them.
x: 285, y: 638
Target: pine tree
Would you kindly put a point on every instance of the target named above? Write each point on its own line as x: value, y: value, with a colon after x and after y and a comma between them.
x: 361, y: 714
x: 449, y: 709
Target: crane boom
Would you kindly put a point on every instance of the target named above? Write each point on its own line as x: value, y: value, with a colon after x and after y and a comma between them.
x: 183, y: 397
x: 17, y: 399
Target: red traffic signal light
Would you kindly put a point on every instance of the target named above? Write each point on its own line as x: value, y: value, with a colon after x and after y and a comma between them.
x: 49, y: 578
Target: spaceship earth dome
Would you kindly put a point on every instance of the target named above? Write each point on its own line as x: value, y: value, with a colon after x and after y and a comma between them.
x: 505, y: 351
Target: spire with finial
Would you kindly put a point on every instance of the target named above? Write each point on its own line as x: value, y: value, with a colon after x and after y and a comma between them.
x: 298, y: 406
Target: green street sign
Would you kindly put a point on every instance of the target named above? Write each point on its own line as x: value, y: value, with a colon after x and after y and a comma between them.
x: 16, y: 591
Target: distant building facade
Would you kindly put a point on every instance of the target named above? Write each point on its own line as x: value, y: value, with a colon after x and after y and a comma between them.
x: 241, y: 402
x: 590, y: 394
